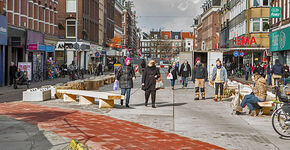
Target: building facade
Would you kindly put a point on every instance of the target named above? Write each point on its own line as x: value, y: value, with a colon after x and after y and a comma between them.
x: 280, y: 33
x: 81, y: 27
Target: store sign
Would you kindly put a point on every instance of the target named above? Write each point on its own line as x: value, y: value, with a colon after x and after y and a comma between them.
x: 45, y: 48
x: 3, y: 30
x: 280, y: 40
x: 275, y: 12
x: 244, y: 41
x: 33, y: 47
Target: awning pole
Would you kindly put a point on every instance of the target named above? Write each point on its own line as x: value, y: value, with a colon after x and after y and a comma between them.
x: 252, y: 58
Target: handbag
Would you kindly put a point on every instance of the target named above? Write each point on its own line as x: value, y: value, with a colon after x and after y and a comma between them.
x: 159, y: 84
x: 169, y: 76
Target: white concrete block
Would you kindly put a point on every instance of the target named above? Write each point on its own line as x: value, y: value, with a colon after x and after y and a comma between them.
x: 37, y: 95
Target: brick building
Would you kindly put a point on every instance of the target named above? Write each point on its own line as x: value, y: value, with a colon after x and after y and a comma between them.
x: 32, y: 31
x: 86, y: 32
x: 109, y: 20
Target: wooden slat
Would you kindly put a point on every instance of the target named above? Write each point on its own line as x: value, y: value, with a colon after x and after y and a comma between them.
x: 98, y: 95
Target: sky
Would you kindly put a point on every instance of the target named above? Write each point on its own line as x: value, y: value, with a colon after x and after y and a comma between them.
x: 169, y: 15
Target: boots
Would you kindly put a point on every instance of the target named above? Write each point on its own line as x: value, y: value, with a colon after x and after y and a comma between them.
x: 221, y: 98
x: 172, y: 87
x: 216, y: 98
x: 253, y: 113
x: 202, y: 93
x: 196, y: 96
x: 122, y: 101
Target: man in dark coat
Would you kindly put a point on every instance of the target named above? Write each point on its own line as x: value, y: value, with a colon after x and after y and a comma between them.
x: 13, y: 70
x: 199, y: 75
x: 277, y: 71
x: 125, y: 75
x: 143, y: 65
x: 247, y: 71
x: 185, y: 72
x: 150, y: 75
x: 269, y: 73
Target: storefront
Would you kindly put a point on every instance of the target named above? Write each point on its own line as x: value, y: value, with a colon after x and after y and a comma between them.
x: 65, y: 53
x: 34, y: 55
x: 3, y: 43
x: 280, y: 45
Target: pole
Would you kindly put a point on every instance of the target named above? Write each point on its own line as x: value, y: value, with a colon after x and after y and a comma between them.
x: 77, y: 50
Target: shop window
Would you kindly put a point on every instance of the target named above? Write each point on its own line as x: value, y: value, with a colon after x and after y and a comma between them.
x: 259, y: 25
x: 70, y: 28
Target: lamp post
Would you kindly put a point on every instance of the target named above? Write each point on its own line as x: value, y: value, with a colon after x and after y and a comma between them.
x: 77, y: 49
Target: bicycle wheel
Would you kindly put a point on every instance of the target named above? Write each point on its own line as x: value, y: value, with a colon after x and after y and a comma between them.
x: 35, y: 77
x: 279, y: 118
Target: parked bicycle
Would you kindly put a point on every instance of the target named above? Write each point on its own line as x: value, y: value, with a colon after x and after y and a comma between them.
x: 37, y: 77
x: 281, y: 116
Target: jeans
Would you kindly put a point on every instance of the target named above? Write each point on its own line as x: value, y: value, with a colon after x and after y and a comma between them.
x: 247, y: 75
x: 285, y: 81
x: 172, y: 82
x: 250, y: 102
x: 127, y: 93
x: 184, y: 81
x: 219, y: 86
x: 153, y: 96
x: 269, y: 79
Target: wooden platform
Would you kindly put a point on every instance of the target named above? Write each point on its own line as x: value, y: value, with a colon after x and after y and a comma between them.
x: 88, y: 97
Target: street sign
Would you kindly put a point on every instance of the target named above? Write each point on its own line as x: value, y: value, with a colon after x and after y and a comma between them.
x: 236, y: 53
x: 76, y: 46
x: 97, y: 54
x: 83, y: 47
x: 242, y: 54
x: 275, y: 12
x: 99, y: 48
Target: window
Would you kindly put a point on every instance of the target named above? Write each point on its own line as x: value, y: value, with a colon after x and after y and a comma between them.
x: 176, y: 37
x: 257, y: 3
x: 155, y: 36
x: 179, y: 44
x: 71, y: 6
x: 70, y: 28
x: 256, y: 24
x: 259, y: 25
x: 188, y: 44
x: 166, y: 37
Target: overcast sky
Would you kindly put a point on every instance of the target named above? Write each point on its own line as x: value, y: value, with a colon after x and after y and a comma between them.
x: 171, y: 15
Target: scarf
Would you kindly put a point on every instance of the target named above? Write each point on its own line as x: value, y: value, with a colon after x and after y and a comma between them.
x: 219, y: 67
x: 185, y: 67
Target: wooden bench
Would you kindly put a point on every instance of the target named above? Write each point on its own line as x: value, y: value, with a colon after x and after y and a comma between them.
x: 88, y: 97
x: 266, y: 107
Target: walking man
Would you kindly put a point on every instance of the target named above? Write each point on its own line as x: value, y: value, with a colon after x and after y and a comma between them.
x: 185, y: 72
x: 219, y: 77
x: 199, y: 75
x: 13, y: 70
x: 247, y: 71
x: 277, y: 71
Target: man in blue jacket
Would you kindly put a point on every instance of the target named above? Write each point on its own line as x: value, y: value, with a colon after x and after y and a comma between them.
x: 277, y: 72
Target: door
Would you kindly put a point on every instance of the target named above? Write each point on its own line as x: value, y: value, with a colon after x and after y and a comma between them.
x: 212, y: 57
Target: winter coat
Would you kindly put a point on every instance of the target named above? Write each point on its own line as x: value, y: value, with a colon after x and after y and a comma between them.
x: 223, y: 74
x: 199, y: 72
x: 269, y: 69
x: 278, y: 69
x: 13, y: 70
x: 143, y: 64
x: 260, y: 89
x: 149, y: 79
x: 174, y: 72
x: 185, y: 73
x: 125, y: 76
x: 286, y: 72
x: 247, y: 69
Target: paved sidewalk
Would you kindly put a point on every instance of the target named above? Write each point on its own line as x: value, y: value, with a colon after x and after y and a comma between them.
x: 99, y: 131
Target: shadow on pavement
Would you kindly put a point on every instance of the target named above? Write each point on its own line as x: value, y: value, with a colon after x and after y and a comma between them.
x: 175, y: 104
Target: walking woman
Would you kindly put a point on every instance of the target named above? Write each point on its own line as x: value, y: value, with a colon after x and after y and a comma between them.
x: 219, y: 77
x: 174, y: 71
x: 150, y: 75
x: 125, y: 75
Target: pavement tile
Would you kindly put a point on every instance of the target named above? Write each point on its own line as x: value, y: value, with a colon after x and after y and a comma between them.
x: 99, y: 131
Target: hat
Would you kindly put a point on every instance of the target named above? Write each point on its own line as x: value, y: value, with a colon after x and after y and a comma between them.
x: 197, y: 59
x: 127, y: 59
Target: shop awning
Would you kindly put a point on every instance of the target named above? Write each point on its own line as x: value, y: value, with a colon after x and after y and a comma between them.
x: 245, y: 49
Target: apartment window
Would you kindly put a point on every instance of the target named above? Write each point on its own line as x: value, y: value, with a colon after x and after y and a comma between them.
x: 257, y: 3
x: 260, y: 25
x: 179, y: 44
x: 176, y: 37
x: 71, y: 28
x: 71, y: 6
x: 166, y: 37
x: 155, y: 36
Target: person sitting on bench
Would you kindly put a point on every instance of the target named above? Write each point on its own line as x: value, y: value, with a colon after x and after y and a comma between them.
x: 259, y: 94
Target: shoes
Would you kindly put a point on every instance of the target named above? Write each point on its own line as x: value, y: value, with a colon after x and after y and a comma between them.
x: 153, y: 106
x: 215, y: 98
x: 146, y: 104
x: 172, y: 88
x: 253, y: 113
x: 197, y: 98
x: 203, y: 98
x: 127, y: 105
x: 221, y: 98
x: 122, y: 101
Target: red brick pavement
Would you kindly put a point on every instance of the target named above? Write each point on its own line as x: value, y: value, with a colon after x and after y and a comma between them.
x: 99, y: 131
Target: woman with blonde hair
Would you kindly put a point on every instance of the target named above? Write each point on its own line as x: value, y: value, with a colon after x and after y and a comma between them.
x: 173, y: 69
x: 150, y: 75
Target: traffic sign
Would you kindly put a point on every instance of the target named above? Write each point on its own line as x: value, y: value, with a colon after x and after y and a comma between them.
x: 236, y: 53
x: 76, y: 46
x: 99, y: 48
x: 242, y: 54
x: 97, y: 54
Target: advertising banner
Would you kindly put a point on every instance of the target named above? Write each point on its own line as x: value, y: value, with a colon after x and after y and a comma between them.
x: 26, y: 67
